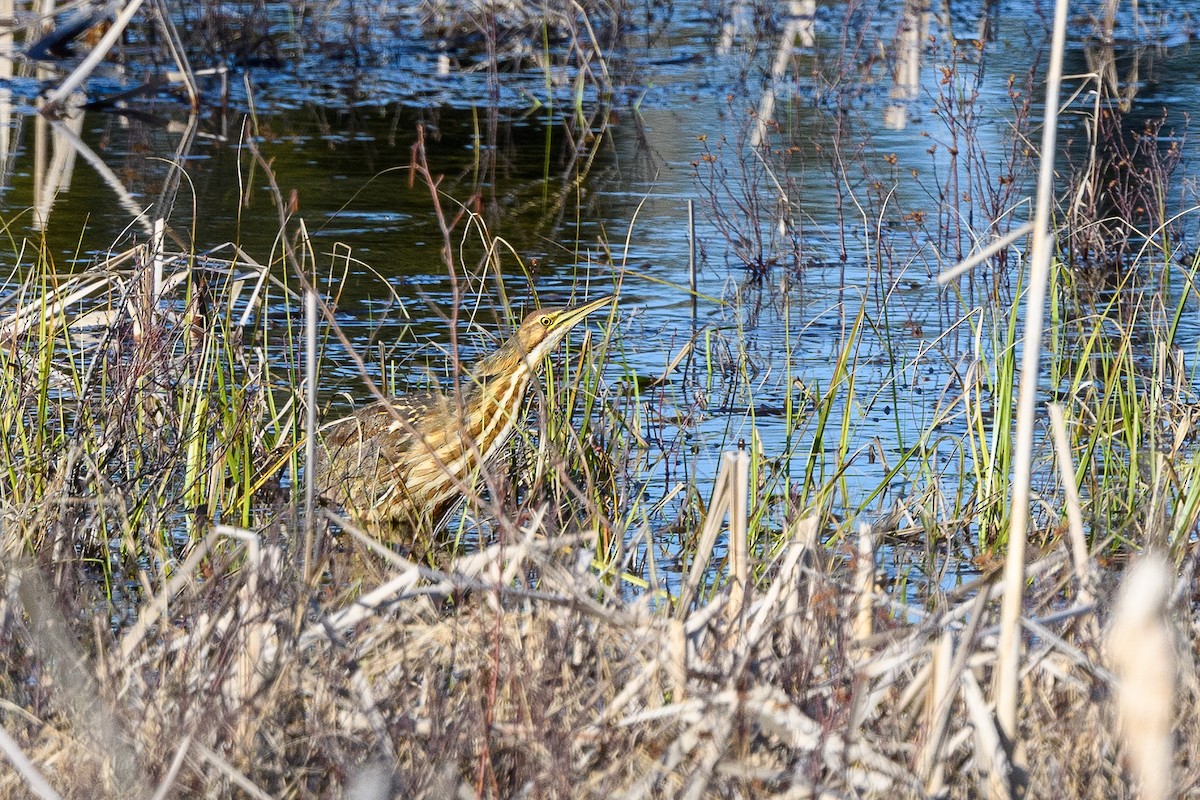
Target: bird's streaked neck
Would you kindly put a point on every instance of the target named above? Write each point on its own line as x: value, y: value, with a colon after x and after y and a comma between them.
x: 500, y: 399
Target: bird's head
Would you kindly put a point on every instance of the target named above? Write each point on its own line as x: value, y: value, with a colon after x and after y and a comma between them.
x: 539, y: 334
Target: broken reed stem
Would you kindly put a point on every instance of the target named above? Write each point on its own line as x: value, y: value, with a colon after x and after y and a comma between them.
x: 731, y: 495
x: 158, y: 258
x: 718, y: 503
x: 1008, y: 667
x: 232, y: 773
x: 178, y: 52
x: 991, y: 755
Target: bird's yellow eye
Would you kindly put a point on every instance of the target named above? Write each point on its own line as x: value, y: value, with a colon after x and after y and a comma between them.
x: 545, y: 320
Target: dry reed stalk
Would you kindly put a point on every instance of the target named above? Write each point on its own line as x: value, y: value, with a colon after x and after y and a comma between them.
x: 739, y: 532
x: 152, y: 612
x: 168, y: 781
x: 797, y: 604
x: 229, y: 771
x: 788, y: 593
x: 1008, y: 667
x: 311, y: 360
x: 677, y: 659
x: 170, y: 36
x: 249, y: 621
x: 930, y: 768
x: 713, y: 746
x: 991, y: 755
x: 719, y: 502
x: 80, y: 74
x: 864, y: 584
x: 1078, y: 541
x: 1141, y: 650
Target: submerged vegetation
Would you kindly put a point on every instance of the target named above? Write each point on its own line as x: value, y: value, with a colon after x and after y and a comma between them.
x: 811, y: 608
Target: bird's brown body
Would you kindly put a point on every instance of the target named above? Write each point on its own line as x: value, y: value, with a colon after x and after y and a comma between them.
x: 407, y: 461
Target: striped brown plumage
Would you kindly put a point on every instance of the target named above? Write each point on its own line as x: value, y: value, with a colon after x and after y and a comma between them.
x: 407, y: 461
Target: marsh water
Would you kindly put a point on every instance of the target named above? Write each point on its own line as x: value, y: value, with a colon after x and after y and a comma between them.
x: 892, y: 146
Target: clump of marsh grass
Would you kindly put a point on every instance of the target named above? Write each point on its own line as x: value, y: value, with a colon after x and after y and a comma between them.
x: 132, y: 405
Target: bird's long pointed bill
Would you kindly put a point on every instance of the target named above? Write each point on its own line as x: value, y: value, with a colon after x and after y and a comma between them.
x: 573, y: 316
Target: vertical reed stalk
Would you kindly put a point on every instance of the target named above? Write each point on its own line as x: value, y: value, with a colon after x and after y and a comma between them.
x: 1039, y: 276
x: 310, y: 423
x: 864, y: 581
x: 691, y: 214
x: 739, y: 530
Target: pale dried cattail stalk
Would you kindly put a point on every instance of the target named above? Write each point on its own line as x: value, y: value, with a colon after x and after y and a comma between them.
x: 864, y: 583
x: 1141, y: 652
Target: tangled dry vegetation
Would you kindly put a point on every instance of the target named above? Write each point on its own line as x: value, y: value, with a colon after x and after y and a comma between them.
x: 516, y: 672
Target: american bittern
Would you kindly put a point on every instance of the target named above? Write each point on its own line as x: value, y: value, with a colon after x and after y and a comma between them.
x: 407, y: 461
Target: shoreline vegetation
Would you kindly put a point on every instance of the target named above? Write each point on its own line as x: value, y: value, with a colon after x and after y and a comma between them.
x: 180, y: 616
